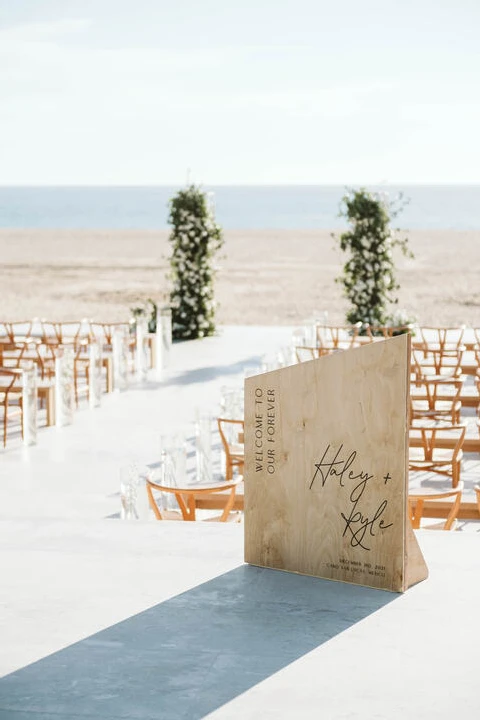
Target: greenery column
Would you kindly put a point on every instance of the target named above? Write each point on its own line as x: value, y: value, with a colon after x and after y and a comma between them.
x: 195, y: 238
x: 368, y: 276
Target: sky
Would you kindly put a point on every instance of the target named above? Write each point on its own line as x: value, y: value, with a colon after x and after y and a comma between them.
x: 114, y: 92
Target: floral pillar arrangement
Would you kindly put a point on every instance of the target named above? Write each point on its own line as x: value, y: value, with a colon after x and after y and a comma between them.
x: 195, y: 238
x: 368, y: 276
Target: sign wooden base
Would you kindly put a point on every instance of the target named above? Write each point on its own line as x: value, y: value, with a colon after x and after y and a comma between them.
x: 326, y: 468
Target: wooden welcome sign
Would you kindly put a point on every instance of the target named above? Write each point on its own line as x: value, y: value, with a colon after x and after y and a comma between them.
x: 326, y: 468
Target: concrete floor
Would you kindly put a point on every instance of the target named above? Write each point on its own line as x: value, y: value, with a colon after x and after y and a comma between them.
x: 107, y: 619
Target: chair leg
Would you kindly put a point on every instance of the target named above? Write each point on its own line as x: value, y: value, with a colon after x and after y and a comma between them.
x: 455, y: 473
x: 75, y: 385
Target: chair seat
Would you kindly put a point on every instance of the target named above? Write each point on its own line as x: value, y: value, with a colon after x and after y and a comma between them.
x: 440, y: 407
x: 425, y: 504
x: 439, y: 456
x: 438, y: 525
x: 237, y: 452
x: 235, y: 517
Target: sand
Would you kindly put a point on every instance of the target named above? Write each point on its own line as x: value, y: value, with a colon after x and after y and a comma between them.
x: 264, y: 277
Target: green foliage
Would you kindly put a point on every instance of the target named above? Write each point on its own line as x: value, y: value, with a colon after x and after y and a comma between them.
x: 368, y: 276
x: 195, y: 238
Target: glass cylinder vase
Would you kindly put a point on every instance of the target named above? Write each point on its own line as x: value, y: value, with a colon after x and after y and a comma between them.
x: 203, y: 448
x: 141, y: 332
x: 94, y: 375
x: 120, y: 360
x: 64, y: 386
x: 29, y: 402
x: 163, y: 340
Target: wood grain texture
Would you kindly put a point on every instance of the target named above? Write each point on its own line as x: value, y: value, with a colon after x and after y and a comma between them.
x: 326, y: 467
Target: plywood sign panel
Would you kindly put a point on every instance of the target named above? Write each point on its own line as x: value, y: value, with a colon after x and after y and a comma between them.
x: 326, y: 471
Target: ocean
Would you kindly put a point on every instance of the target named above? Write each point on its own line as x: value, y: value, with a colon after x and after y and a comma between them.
x: 236, y: 207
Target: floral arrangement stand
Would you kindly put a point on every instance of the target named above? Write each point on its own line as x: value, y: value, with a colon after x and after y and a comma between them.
x: 326, y: 468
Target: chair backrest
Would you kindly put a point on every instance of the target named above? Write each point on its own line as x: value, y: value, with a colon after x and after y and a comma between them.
x: 477, y: 493
x: 442, y: 338
x: 422, y: 505
x: 232, y: 437
x: 303, y: 353
x: 104, y: 331
x: 338, y: 336
x: 16, y: 331
x: 387, y: 331
x: 231, y: 432
x: 449, y: 437
x: 12, y: 357
x: 437, y: 362
x: 8, y: 380
x: 151, y: 500
x: 435, y: 397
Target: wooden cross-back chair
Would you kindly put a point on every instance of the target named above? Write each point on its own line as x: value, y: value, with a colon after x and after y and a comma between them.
x: 104, y: 332
x: 46, y: 360
x: 18, y: 331
x: 11, y: 398
x: 436, y: 400
x: 442, y: 364
x: 185, y: 498
x: 477, y: 493
x: 338, y: 337
x: 442, y: 338
x: 305, y: 352
x: 63, y: 333
x: 232, y: 437
x: 386, y: 331
x: 12, y: 357
x: 429, y: 505
x: 476, y: 351
x: 437, y: 449
x: 81, y: 371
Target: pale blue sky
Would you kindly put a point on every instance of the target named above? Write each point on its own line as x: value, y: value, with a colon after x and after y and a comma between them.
x: 266, y: 91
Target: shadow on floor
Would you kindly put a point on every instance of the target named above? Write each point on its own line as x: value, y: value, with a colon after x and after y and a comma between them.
x: 189, y: 655
x: 206, y: 374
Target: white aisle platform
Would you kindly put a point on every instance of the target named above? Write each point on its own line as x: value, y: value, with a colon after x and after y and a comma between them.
x: 107, y: 619
x: 73, y: 472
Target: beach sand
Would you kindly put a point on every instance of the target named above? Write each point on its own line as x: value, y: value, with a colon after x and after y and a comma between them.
x: 264, y: 277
